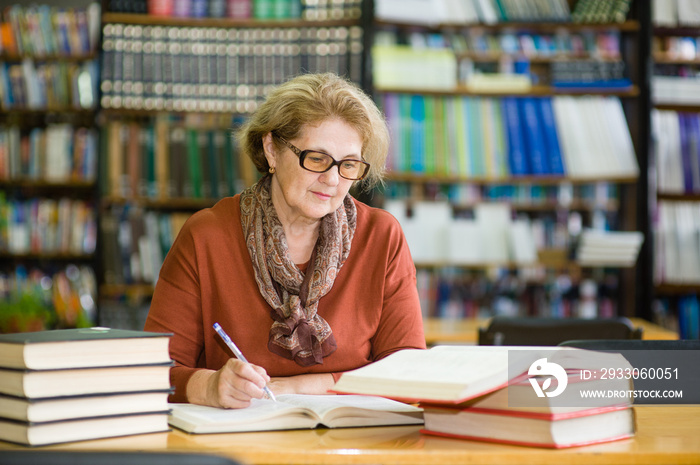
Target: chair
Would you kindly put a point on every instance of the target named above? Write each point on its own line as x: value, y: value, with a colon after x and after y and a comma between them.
x: 53, y: 457
x: 537, y: 331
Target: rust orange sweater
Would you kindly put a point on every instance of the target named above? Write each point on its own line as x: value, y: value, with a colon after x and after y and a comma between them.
x: 373, y: 307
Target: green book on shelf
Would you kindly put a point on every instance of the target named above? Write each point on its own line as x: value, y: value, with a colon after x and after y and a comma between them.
x: 461, y: 131
x: 476, y: 138
x: 405, y: 111
x: 263, y: 9
x: 430, y: 135
x: 231, y: 166
x: 194, y: 163
x: 439, y: 135
x: 500, y: 149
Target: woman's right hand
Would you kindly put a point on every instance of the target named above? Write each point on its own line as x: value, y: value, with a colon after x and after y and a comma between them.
x: 233, y: 386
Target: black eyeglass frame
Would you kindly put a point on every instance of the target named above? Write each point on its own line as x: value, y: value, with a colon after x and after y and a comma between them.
x: 303, y: 153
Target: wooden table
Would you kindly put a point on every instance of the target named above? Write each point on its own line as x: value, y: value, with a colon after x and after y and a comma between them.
x: 665, y: 435
x: 464, y: 331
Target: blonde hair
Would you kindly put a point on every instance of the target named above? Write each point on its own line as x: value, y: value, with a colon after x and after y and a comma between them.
x: 310, y: 99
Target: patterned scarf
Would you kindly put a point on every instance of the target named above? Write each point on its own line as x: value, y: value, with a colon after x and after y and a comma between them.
x: 298, y: 332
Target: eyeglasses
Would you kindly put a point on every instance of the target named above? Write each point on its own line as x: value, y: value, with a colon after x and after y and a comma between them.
x: 319, y: 162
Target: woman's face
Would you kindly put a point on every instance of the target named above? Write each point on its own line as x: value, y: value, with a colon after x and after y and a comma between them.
x: 301, y: 194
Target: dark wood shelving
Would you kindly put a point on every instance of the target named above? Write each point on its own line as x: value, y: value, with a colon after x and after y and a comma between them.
x: 677, y: 107
x: 518, y: 180
x: 666, y: 289
x: 160, y: 204
x: 678, y: 197
x: 115, y: 291
x: 44, y: 184
x: 53, y: 57
x: 627, y: 26
x: 48, y: 256
x: 49, y: 110
x: 632, y: 92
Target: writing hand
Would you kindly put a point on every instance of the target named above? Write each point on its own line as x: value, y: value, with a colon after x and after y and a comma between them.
x: 235, y: 384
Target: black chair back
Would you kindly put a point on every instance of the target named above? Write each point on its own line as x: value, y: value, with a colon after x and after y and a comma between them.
x: 536, y: 331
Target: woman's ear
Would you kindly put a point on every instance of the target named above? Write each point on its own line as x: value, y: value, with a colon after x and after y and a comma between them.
x: 269, y: 149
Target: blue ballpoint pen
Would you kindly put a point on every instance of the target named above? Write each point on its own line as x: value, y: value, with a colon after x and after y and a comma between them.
x: 239, y: 355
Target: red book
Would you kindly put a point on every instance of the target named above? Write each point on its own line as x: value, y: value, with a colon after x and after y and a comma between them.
x: 535, y: 430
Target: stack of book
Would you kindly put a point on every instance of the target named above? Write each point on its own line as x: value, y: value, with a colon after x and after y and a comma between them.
x: 608, y: 248
x: 79, y: 384
x: 492, y: 394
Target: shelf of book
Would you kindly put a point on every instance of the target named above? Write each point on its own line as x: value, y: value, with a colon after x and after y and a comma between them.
x: 667, y: 59
x: 48, y: 160
x: 44, y: 184
x: 48, y: 110
x: 46, y: 256
x: 678, y: 107
x: 135, y: 291
x: 516, y: 180
x: 552, y: 57
x: 627, y: 26
x: 539, y: 91
x: 188, y: 204
x: 243, y: 23
x: 667, y: 289
x: 694, y: 197
x: 549, y: 258
x: 545, y: 206
x: 676, y: 128
x: 460, y: 133
x: 57, y: 57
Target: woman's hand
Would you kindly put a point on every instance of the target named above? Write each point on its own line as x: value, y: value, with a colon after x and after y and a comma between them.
x: 232, y: 386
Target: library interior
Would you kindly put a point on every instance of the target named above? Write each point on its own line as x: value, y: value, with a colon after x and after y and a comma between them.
x: 119, y: 121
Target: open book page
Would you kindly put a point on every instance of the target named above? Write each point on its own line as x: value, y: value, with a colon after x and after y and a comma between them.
x: 295, y: 412
x: 351, y: 410
x: 261, y: 415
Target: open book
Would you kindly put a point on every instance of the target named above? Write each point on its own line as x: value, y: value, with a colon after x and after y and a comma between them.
x: 293, y: 411
x: 455, y: 374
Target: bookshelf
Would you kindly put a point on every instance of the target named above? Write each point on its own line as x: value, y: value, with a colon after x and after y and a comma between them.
x: 544, y: 52
x: 676, y: 132
x: 49, y: 146
x: 173, y: 89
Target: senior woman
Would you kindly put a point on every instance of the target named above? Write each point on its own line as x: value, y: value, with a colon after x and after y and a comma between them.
x: 306, y: 280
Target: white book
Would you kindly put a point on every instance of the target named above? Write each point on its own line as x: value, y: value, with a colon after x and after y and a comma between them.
x: 622, y: 146
x: 493, y: 220
x: 571, y: 137
x: 428, y: 12
x: 294, y: 411
x: 688, y: 12
x: 464, y: 242
x: 664, y: 13
x: 522, y: 242
x: 486, y: 11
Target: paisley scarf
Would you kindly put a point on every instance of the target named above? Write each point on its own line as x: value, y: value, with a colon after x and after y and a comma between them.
x: 297, y: 332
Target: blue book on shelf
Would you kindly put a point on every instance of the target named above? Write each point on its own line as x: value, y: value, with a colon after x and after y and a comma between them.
x: 694, y: 143
x: 611, y: 85
x: 684, y: 126
x: 417, y: 134
x: 551, y: 138
x: 405, y: 132
x: 516, y: 154
x: 534, y: 140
